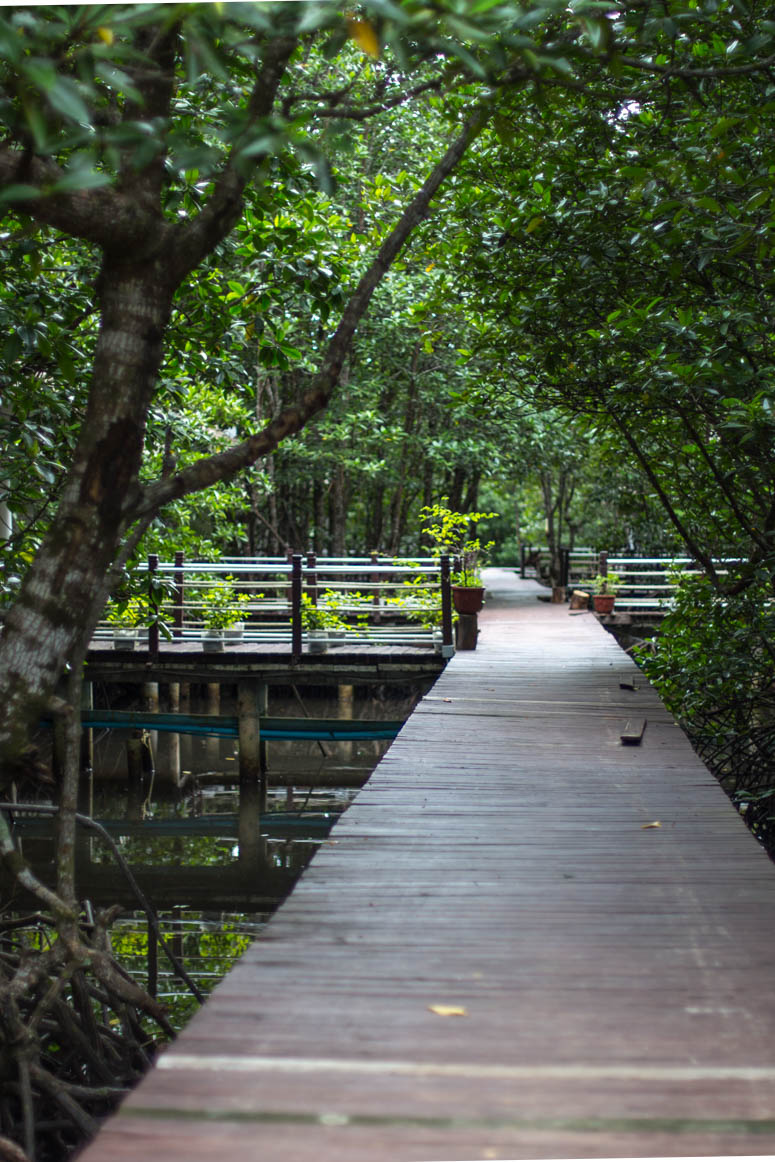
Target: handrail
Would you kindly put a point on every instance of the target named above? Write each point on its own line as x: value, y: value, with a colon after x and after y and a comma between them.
x: 644, y: 582
x: 375, y: 592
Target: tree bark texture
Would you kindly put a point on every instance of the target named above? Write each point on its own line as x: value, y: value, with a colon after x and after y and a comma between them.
x: 65, y: 588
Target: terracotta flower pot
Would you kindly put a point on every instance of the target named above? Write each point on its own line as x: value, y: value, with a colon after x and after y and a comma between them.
x: 467, y: 598
x: 603, y: 602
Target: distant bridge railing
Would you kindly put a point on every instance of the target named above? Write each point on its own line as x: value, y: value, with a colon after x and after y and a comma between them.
x: 260, y: 601
x: 646, y: 584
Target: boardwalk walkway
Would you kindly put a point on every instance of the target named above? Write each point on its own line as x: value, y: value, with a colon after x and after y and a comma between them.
x: 616, y: 979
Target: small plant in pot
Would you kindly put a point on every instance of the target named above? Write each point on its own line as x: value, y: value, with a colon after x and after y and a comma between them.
x: 604, y: 589
x: 449, y: 532
x: 222, y: 612
x: 126, y: 615
x: 317, y: 621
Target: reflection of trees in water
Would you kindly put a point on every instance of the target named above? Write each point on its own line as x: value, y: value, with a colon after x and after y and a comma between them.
x: 86, y: 1000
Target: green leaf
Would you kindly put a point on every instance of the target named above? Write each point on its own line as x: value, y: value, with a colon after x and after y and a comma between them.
x: 65, y: 98
x: 18, y: 193
x: 81, y: 178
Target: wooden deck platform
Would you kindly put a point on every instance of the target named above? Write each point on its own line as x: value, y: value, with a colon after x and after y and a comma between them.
x: 608, y: 982
x: 273, y: 664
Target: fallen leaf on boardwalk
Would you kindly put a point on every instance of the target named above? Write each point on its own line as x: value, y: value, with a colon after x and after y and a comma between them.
x: 448, y: 1010
x: 646, y: 826
x: 446, y: 700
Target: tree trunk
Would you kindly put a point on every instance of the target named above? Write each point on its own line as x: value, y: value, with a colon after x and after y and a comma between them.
x: 65, y: 589
x: 319, y: 543
x: 338, y: 511
x: 376, y: 520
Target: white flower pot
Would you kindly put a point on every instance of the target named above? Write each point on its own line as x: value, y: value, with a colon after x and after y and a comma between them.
x: 318, y: 641
x: 124, y: 638
x: 213, y: 640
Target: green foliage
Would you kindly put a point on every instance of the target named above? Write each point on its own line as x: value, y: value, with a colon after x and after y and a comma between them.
x: 605, y: 583
x: 418, y: 601
x: 449, y: 533
x: 320, y: 616
x: 714, y: 665
x: 221, y: 607
x: 129, y: 612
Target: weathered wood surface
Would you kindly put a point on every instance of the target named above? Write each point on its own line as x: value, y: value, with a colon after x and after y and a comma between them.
x: 616, y: 978
x: 272, y: 663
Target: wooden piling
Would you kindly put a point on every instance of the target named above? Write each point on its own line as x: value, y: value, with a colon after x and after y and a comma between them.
x: 345, y: 710
x: 213, y: 745
x: 168, y: 750
x: 252, y: 785
x: 151, y: 704
x: 135, y: 789
x: 184, y: 743
x: 467, y: 631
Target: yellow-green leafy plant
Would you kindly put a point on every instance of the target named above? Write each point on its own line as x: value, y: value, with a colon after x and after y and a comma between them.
x: 318, y: 616
x: 222, y: 607
x: 449, y: 531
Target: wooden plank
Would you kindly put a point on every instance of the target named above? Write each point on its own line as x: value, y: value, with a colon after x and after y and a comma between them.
x: 632, y: 734
x: 614, y: 978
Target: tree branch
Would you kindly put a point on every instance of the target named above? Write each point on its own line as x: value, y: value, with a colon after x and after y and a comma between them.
x: 688, y: 539
x: 353, y: 113
x: 700, y: 74
x: 224, y: 465
x: 103, y: 216
x: 196, y: 239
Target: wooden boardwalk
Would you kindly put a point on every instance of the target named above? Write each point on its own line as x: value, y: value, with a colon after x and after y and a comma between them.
x: 615, y: 979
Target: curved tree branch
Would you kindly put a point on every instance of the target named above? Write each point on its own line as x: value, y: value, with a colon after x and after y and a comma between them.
x: 224, y: 465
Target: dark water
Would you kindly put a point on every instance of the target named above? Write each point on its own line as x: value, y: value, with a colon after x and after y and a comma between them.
x: 212, y: 865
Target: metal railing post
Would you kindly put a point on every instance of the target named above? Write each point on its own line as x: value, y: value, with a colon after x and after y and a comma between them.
x: 375, y: 617
x: 296, y: 606
x: 177, y: 631
x: 288, y: 588
x: 446, y: 603
x: 312, y: 578
x: 153, y: 626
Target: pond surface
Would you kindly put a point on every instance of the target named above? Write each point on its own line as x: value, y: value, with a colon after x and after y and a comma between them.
x: 213, y: 867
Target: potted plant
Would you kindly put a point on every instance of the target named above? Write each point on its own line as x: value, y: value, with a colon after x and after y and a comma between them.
x: 126, y: 615
x: 604, y: 592
x: 449, y: 532
x: 316, y: 621
x: 222, y: 611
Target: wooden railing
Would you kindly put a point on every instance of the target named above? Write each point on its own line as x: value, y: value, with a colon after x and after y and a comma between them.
x: 645, y: 584
x: 372, y: 600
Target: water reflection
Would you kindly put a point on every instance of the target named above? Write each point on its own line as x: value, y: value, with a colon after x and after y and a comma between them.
x: 213, y: 859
